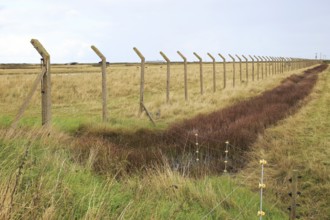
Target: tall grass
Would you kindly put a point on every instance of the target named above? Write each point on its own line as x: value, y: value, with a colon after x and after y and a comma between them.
x: 51, y: 185
x: 240, y: 124
x: 76, y: 94
x: 300, y: 142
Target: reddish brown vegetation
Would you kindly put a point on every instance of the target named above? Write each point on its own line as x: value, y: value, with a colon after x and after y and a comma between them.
x: 240, y: 124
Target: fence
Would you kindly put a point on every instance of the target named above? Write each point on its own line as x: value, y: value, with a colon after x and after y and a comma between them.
x: 219, y: 72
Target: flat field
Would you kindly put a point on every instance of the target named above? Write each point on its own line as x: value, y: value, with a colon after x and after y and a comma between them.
x: 76, y: 92
x: 34, y: 187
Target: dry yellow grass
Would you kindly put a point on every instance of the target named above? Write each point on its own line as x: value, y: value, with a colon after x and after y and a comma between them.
x: 76, y: 92
x: 299, y: 142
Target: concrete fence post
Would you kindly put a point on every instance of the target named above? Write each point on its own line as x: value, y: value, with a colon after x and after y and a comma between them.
x: 214, y: 72
x: 258, y: 64
x: 266, y: 62
x: 286, y: 64
x: 252, y: 67
x: 45, y: 79
x: 224, y: 70
x: 247, y: 68
x: 185, y: 75
x: 168, y: 75
x: 233, y: 69
x: 262, y: 66
x: 200, y: 71
x: 273, y: 65
x: 104, y: 83
x: 143, y: 60
x: 45, y: 83
x: 240, y: 67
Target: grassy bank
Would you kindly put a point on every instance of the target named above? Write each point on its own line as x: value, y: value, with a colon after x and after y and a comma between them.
x: 240, y: 124
x: 301, y: 142
x: 40, y: 180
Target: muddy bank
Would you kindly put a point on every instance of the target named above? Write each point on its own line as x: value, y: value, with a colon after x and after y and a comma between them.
x: 239, y: 124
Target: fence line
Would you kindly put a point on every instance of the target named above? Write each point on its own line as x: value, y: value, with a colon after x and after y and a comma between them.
x: 278, y: 65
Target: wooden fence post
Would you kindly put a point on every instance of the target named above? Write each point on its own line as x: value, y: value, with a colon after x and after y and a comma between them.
x: 200, y: 71
x: 224, y: 70
x: 185, y: 75
x: 247, y: 68
x: 45, y: 78
x: 262, y: 66
x: 168, y: 75
x: 258, y: 64
x: 143, y: 60
x: 104, y: 83
x: 214, y: 75
x: 233, y: 69
x: 240, y: 67
x: 294, y: 193
x: 252, y: 67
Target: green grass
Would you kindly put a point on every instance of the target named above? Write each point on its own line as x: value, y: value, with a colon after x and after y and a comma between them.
x: 53, y: 186
x: 76, y: 94
x: 301, y: 142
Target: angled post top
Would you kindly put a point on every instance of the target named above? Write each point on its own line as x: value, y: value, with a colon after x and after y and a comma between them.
x: 98, y: 53
x: 139, y: 53
x: 164, y: 56
x: 182, y: 56
x: 40, y: 48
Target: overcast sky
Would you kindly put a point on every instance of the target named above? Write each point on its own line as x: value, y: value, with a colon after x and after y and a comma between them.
x: 67, y: 28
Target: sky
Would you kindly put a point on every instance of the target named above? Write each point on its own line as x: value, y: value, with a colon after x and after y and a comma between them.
x: 67, y: 29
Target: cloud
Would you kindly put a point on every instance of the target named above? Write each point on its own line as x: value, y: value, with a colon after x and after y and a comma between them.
x: 68, y: 28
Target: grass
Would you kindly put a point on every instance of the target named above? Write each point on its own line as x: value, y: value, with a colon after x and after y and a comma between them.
x: 53, y: 183
x: 301, y: 142
x: 61, y: 189
x: 76, y: 94
x: 240, y: 124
